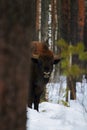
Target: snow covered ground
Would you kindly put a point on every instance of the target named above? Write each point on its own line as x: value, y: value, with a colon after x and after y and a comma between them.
x: 53, y: 116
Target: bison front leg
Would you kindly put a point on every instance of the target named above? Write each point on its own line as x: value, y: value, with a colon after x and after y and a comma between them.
x: 30, y: 104
x: 30, y: 100
x: 36, y: 102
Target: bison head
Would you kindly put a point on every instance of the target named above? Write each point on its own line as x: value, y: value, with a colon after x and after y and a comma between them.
x: 45, y: 63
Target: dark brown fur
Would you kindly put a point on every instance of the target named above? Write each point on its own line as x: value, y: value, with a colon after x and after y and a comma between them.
x: 41, y: 68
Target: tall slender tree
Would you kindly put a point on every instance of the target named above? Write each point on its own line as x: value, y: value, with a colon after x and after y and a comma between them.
x: 81, y: 17
x: 65, y: 20
x: 44, y: 19
x: 85, y: 35
x: 72, y: 21
x: 54, y: 21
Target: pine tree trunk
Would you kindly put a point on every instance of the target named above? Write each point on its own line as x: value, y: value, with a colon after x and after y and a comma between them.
x: 38, y: 20
x: 81, y: 16
x: 71, y: 85
x: 65, y: 20
x: 16, y: 29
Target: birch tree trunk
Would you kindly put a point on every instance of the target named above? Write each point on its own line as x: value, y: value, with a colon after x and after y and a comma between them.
x: 44, y: 20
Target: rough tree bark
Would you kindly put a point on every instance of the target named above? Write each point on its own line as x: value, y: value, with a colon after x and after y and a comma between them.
x: 16, y: 27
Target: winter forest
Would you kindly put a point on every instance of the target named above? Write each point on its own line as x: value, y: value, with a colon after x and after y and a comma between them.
x: 62, y: 26
x: 63, y: 23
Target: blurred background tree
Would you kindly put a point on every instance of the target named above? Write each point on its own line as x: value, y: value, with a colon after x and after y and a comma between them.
x: 66, y: 19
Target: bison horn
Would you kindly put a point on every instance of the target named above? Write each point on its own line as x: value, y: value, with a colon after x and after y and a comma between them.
x: 35, y: 56
x: 57, y: 57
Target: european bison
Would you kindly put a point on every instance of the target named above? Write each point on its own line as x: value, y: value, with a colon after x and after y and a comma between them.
x: 41, y: 67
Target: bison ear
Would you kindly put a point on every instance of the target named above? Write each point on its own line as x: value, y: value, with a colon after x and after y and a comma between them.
x: 57, y: 59
x: 35, y: 58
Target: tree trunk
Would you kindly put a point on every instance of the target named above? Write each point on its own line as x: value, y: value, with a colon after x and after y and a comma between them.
x: 73, y: 22
x: 44, y: 19
x: 65, y: 20
x: 38, y: 20
x: 81, y: 16
x: 71, y: 85
x: 16, y: 29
